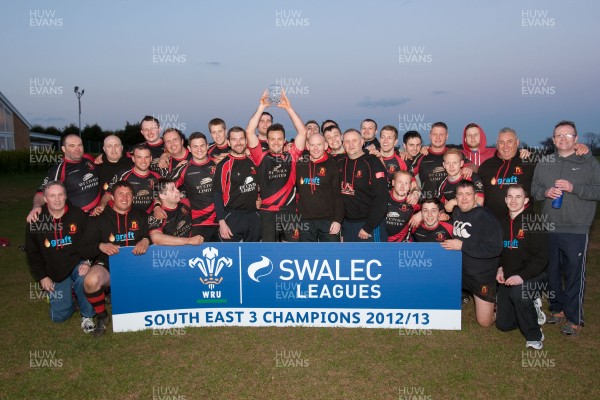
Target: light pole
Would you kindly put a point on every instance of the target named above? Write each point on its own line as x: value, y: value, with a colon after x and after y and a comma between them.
x: 79, y: 94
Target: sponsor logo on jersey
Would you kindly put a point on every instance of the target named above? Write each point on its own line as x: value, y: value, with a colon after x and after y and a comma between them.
x: 460, y: 229
x: 87, y: 176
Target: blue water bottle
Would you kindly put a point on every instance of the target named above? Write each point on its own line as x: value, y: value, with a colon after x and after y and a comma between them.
x: 557, y: 203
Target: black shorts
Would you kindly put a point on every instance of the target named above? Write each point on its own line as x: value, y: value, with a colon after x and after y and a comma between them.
x: 485, y: 289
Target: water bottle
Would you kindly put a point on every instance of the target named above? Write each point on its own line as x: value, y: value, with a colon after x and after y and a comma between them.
x: 557, y: 203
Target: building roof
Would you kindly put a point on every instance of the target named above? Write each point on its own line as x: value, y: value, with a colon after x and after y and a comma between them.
x: 14, y: 110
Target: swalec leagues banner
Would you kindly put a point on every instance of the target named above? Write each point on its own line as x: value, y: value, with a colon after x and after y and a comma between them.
x: 381, y: 285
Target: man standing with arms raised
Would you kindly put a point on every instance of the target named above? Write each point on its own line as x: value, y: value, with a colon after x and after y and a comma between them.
x: 277, y: 173
x: 264, y: 122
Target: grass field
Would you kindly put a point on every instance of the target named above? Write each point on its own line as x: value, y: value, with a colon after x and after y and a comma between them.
x: 43, y: 360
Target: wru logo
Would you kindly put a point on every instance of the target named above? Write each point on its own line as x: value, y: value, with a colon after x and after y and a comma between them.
x: 210, y: 266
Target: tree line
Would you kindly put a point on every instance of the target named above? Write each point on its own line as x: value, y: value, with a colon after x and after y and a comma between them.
x: 129, y: 136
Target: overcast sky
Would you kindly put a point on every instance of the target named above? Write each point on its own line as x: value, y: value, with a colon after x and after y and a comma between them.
x: 523, y: 64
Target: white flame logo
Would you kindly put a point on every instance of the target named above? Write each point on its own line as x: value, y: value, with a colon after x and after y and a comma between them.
x: 260, y: 266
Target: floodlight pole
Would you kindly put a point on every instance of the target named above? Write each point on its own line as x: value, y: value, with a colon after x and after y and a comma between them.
x: 79, y: 94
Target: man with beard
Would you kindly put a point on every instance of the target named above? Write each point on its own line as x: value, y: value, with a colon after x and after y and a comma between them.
x: 236, y: 191
x: 277, y: 173
x: 474, y: 145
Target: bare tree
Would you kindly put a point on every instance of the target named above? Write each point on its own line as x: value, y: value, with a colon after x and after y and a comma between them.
x: 592, y: 140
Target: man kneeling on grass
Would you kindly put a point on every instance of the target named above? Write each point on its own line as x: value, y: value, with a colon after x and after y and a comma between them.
x: 51, y: 244
x: 118, y: 226
x: 478, y: 234
x: 521, y: 274
x: 176, y: 228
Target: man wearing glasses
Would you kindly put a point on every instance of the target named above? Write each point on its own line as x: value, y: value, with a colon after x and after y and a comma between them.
x: 569, y: 186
